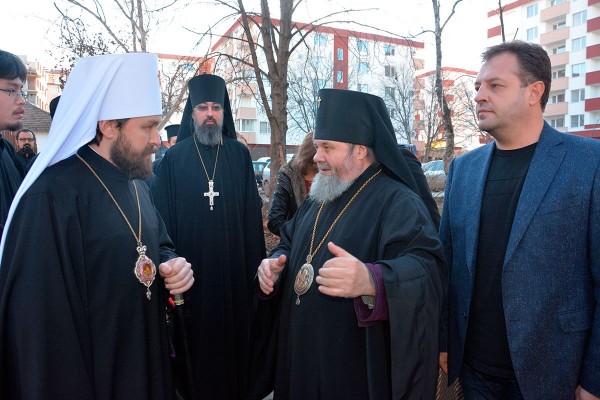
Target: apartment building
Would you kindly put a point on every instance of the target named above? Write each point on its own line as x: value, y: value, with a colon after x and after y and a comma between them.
x: 329, y: 58
x: 570, y: 33
x: 43, y: 83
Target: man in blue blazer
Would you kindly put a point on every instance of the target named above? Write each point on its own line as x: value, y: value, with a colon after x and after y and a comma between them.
x: 521, y: 229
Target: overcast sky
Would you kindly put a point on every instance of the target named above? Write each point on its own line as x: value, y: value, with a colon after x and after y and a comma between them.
x: 27, y: 26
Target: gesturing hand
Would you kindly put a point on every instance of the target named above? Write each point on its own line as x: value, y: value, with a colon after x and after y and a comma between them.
x: 269, y: 271
x: 344, y: 275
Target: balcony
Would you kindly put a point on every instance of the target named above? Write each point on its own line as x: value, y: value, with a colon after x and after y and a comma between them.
x: 246, y: 113
x: 558, y: 11
x: 592, y: 104
x: 593, y: 52
x: 561, y: 108
x: 559, y: 59
x: 593, y: 24
x: 594, y: 3
x: 559, y: 35
x: 592, y: 78
x: 559, y: 84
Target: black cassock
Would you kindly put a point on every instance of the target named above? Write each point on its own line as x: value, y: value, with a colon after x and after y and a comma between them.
x: 75, y: 323
x: 224, y: 246
x: 320, y: 351
x: 10, y: 179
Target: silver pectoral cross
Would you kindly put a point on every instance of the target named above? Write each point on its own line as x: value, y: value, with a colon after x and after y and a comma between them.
x: 211, y: 194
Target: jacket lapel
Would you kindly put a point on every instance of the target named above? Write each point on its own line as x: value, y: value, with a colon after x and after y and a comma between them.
x: 544, y: 165
x: 474, y: 196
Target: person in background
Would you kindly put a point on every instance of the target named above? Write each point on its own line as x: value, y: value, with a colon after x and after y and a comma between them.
x: 13, y: 75
x: 293, y: 185
x: 206, y: 193
x: 26, y: 149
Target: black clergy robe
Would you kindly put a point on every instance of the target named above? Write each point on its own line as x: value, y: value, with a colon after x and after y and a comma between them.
x: 224, y: 246
x: 75, y: 323
x: 320, y: 351
x: 10, y: 179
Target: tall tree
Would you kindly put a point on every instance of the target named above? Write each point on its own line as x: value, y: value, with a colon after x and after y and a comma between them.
x: 271, y: 42
x: 439, y: 89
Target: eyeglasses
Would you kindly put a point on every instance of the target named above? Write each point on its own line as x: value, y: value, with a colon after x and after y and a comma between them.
x: 14, y: 94
x: 23, y: 139
x: 214, y: 107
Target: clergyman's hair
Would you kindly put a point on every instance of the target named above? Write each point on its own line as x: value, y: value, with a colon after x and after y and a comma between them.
x: 534, y: 63
x: 12, y: 67
x: 303, y: 160
x: 98, y: 138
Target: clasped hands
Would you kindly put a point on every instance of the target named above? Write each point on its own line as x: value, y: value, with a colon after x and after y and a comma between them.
x: 341, y: 276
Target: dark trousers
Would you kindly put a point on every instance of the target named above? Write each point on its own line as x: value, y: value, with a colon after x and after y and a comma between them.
x: 479, y: 386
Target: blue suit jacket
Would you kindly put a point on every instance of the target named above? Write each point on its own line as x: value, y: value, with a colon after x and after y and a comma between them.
x: 551, y: 272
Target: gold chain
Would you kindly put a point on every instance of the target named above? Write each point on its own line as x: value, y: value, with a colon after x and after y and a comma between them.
x: 138, y: 237
x: 202, y: 161
x: 311, y: 254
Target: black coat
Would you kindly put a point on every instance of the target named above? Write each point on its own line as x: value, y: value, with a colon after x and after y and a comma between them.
x: 288, y: 196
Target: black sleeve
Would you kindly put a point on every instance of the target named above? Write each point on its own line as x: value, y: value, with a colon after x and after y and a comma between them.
x: 281, y: 202
x: 424, y: 191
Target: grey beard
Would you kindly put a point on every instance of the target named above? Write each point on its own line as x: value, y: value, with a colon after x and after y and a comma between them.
x: 209, y: 135
x: 326, y: 188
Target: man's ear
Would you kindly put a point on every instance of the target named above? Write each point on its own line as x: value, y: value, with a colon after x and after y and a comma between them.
x: 536, y: 91
x: 109, y: 129
x: 361, y: 151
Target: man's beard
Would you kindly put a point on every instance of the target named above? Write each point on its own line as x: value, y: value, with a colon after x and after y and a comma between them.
x: 209, y: 135
x: 14, y: 127
x: 27, y: 151
x: 326, y: 188
x: 135, y: 166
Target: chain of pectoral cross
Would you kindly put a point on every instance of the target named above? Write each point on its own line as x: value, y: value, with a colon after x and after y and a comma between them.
x: 211, y: 194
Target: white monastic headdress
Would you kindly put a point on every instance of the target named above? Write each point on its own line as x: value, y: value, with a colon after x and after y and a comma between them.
x: 108, y: 87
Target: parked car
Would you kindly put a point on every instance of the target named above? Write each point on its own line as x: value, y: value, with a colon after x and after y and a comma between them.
x: 266, y: 174
x: 408, y: 146
x: 435, y: 175
x: 259, y: 167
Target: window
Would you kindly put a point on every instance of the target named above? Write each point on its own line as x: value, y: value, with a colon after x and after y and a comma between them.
x: 559, y: 49
x: 319, y: 61
x: 363, y: 67
x: 361, y: 87
x: 532, y: 10
x: 578, y: 44
x: 559, y: 25
x: 390, y: 93
x: 392, y: 112
x: 265, y: 127
x: 320, y: 39
x: 557, y: 98
x: 390, y: 71
x: 532, y: 33
x: 246, y: 125
x: 558, y: 74
x: 577, y: 121
x: 556, y: 2
x: 577, y: 95
x: 580, y: 18
x: 362, y: 46
x: 340, y: 76
x: 557, y: 122
x: 340, y: 54
x: 389, y: 49
x: 578, y: 70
